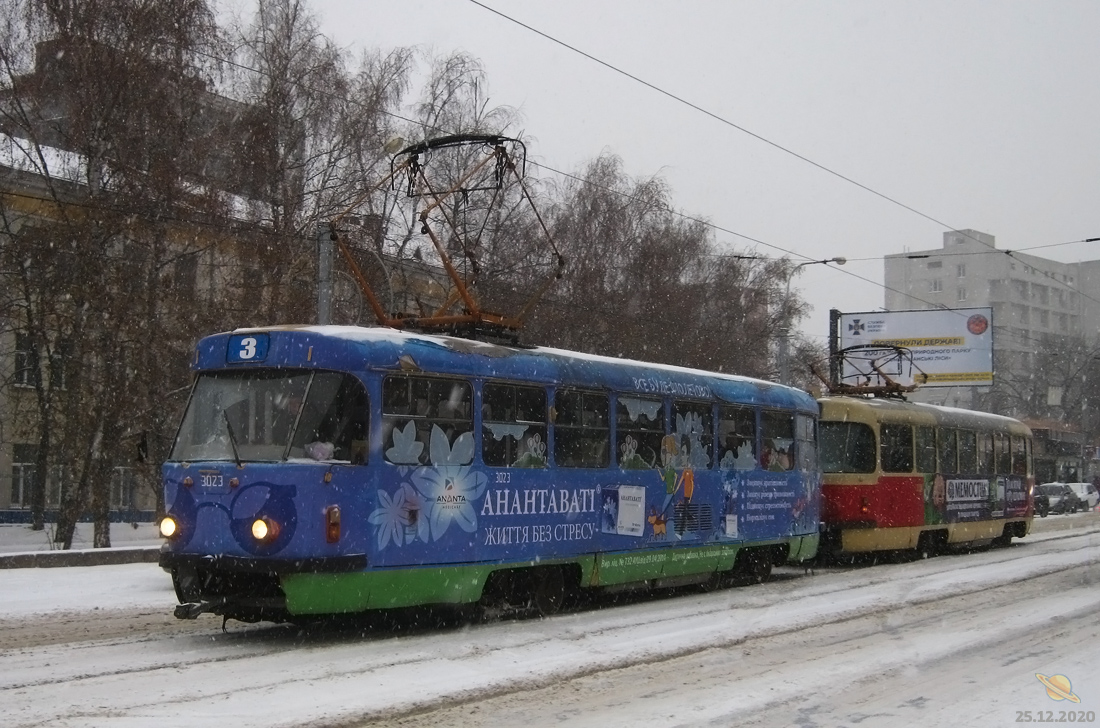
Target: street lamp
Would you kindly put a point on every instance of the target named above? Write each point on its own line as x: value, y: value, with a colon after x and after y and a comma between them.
x: 785, y: 330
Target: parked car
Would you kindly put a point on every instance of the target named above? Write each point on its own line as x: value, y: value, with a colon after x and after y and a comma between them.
x: 1042, y: 502
x: 1086, y: 493
x: 1062, y: 498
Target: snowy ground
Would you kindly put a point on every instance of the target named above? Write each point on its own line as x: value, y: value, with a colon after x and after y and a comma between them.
x: 955, y: 640
x: 19, y: 538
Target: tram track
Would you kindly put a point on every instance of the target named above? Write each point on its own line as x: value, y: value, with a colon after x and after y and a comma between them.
x: 180, y: 661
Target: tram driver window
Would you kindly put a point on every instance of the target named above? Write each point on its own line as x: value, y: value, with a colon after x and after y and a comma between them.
x: 897, y: 448
x: 513, y: 426
x: 333, y: 422
x: 581, y: 429
x: 427, y: 421
x: 847, y: 447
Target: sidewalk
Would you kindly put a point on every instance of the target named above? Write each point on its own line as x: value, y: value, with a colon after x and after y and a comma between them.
x: 20, y: 547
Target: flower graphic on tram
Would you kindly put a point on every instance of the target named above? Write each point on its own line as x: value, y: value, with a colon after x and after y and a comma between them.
x: 441, y: 493
x: 450, y: 487
x: 406, y: 449
x: 397, y: 517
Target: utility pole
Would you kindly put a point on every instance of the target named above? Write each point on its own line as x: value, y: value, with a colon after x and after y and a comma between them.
x: 324, y: 274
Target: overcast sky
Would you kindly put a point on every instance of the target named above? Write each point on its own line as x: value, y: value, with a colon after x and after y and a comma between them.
x: 977, y: 115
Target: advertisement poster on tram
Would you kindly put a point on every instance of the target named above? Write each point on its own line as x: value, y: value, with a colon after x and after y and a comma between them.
x: 950, y: 347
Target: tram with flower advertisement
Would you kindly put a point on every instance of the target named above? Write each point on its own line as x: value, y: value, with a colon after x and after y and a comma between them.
x: 325, y: 469
x: 902, y: 475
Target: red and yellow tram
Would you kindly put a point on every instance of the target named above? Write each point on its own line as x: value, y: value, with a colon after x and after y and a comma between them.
x: 903, y: 475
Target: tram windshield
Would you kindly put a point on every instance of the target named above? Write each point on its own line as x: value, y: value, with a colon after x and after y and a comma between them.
x: 847, y: 447
x: 274, y: 415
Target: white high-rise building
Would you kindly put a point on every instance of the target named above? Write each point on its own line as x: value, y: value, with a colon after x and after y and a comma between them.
x: 1031, y: 297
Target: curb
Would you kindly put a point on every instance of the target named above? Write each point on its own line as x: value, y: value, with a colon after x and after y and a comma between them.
x: 91, y: 557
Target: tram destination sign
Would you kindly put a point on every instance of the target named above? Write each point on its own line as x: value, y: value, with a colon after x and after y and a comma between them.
x: 951, y: 347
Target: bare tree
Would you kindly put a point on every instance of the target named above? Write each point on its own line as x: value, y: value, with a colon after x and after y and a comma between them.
x: 102, y: 105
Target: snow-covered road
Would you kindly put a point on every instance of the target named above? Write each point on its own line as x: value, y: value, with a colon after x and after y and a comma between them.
x: 955, y: 640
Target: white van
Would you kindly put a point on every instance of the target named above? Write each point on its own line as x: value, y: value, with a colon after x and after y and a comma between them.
x: 1087, y: 493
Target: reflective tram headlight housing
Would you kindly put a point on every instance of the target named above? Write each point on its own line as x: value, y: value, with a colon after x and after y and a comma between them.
x: 168, y: 527
x: 265, y: 529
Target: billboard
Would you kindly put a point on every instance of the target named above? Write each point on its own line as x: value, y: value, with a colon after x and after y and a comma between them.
x: 952, y: 347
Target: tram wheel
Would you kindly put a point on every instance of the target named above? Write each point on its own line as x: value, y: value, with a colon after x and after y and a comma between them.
x: 755, y: 565
x: 548, y: 590
x: 1005, y: 539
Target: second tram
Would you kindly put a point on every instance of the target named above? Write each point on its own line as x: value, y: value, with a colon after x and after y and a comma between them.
x: 902, y: 475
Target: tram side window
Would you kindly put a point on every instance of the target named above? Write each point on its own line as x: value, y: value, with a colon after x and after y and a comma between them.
x: 334, y: 420
x: 513, y: 426
x: 1002, y: 453
x: 737, y: 438
x: 581, y: 432
x: 985, y: 453
x: 968, y: 452
x: 926, y: 448
x: 847, y: 447
x: 777, y: 429
x: 693, y: 423
x: 897, y: 448
x: 949, y: 451
x: 639, y: 430
x: 806, y: 449
x: 426, y: 420
x: 1019, y: 455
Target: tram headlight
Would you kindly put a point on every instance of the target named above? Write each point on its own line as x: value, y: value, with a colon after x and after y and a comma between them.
x: 265, y: 529
x: 168, y: 527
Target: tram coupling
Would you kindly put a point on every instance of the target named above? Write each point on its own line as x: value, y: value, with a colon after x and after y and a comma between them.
x: 192, y: 610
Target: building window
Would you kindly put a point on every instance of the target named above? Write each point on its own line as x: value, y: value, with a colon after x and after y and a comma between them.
x: 961, y: 294
x: 960, y: 271
x: 61, y: 354
x: 186, y: 273
x: 26, y: 361
x: 935, y: 264
x: 22, y: 475
x: 123, y: 487
x: 1044, y: 319
x: 935, y: 285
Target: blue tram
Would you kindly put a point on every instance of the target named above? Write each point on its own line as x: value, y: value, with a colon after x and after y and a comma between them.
x: 325, y: 469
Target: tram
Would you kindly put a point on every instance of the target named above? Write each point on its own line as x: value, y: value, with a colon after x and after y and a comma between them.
x: 903, y: 475
x: 324, y: 470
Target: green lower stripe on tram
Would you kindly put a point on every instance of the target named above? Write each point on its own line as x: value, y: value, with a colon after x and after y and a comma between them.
x: 622, y: 568
x: 327, y: 593
x: 461, y: 584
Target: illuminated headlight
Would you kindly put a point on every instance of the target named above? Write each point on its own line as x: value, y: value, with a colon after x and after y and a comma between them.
x: 168, y: 527
x: 264, y: 529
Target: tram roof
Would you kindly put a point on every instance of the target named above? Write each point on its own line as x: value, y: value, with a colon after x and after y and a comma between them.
x: 916, y: 413
x: 377, y: 348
